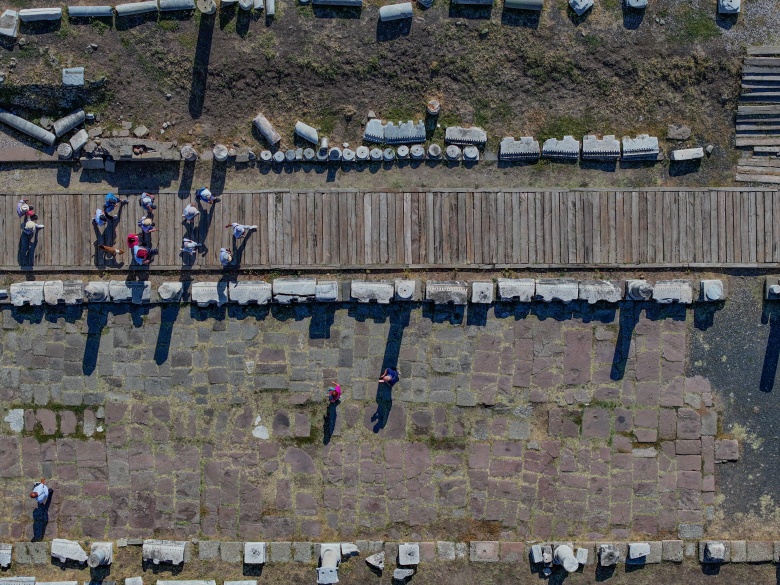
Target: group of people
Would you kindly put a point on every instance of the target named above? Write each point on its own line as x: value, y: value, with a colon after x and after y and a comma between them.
x: 140, y: 243
x: 28, y: 217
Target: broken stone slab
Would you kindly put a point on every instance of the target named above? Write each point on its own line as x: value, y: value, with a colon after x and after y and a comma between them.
x: 675, y: 132
x: 187, y: 582
x: 73, y: 76
x: 266, y: 129
x: 5, y: 555
x: 395, y: 11
x: 97, y: 292
x: 254, y: 553
x: 672, y: 550
x: 365, y: 291
x: 101, y: 554
x: 673, y: 291
x: 294, y: 290
x: 536, y: 554
x: 64, y: 151
x: 482, y: 292
x: 408, y: 290
x: 445, y: 292
x: 67, y: 550
x: 92, y: 163
x: 520, y: 290
x: 327, y: 576
x: 568, y: 148
x: 69, y: 122
x: 349, y: 549
x: 17, y: 580
x: 726, y: 450
x: 556, y: 289
x: 26, y: 127
x: 27, y: 293
x: 714, y: 552
x: 409, y: 554
x: 164, y: 551
x: 70, y: 292
x: 377, y: 561
x: 643, y: 147
x: 406, y: 132
x: 78, y: 140
x: 133, y: 8
x: 124, y: 291
x: 524, y: 149
x: 90, y: 11
x: 564, y: 556
x: 140, y: 131
x: 638, y: 553
x: 170, y: 292
x: 209, y: 293
x: 252, y: 291
x: 684, y: 154
x: 38, y: 14
x: 581, y: 554
x: 327, y: 291
x: 465, y: 136
x: 609, y: 555
x: 639, y: 290
x: 580, y: 7
x: 606, y: 148
x: 711, y: 291
x: 134, y: 581
x: 9, y: 23
x: 374, y: 131
x: 594, y: 291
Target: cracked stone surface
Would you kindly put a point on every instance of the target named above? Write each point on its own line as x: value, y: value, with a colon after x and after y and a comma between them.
x: 541, y: 427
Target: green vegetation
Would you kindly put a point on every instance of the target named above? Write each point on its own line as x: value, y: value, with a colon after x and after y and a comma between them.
x: 327, y: 119
x: 560, y: 126
x: 168, y: 25
x: 266, y: 44
x: 324, y: 69
x: 592, y: 41
x: 65, y: 30
x: 697, y: 25
x: 99, y: 26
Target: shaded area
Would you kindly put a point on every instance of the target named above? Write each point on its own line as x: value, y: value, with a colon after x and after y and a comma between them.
x: 200, y: 67
x: 41, y: 518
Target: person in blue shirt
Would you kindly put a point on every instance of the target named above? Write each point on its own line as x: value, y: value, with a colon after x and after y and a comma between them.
x: 110, y: 204
x: 206, y: 196
x: 389, y: 377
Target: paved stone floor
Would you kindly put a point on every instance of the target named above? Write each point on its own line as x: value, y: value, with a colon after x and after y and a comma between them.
x: 508, y: 421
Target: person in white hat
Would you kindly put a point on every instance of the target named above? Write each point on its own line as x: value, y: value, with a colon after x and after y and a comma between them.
x: 147, y: 225
x: 240, y: 230
x: 23, y: 208
x: 206, y: 196
x: 190, y: 212
x: 189, y: 246
x: 225, y: 256
x: 100, y: 219
x: 31, y: 228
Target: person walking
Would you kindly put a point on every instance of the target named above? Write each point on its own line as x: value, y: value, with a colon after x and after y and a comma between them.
x: 100, y: 219
x: 23, y: 209
x: 334, y: 393
x: 143, y: 255
x: 146, y: 201
x: 225, y: 256
x: 31, y: 228
x: 132, y: 241
x: 40, y: 492
x: 147, y: 225
x: 389, y: 377
x: 190, y: 213
x: 42, y: 495
x: 240, y: 230
x: 206, y: 196
x: 111, y: 203
x: 190, y: 246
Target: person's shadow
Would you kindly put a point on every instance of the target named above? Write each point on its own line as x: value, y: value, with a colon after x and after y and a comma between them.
x: 27, y: 245
x: 330, y: 421
x: 770, y: 315
x: 41, y: 518
x: 384, y: 404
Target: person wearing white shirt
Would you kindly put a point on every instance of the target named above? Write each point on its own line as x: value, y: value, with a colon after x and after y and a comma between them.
x: 240, y: 230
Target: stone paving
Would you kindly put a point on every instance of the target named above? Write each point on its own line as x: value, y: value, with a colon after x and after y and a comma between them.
x: 507, y: 423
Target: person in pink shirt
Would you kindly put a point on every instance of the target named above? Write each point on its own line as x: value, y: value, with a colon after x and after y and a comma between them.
x: 334, y: 393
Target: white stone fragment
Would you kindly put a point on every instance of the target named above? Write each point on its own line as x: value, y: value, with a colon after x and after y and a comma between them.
x: 208, y: 293
x: 607, y: 148
x: 482, y: 292
x: 250, y: 291
x: 287, y: 290
x: 395, y: 11
x: 5, y: 555
x: 27, y: 293
x: 524, y: 149
x: 447, y: 292
x: 408, y: 290
x: 712, y: 291
x: 609, y: 555
x: 17, y: 581
x: 564, y: 556
x: 465, y: 136
x: 536, y: 554
x: 673, y: 291
x: 73, y: 76
x: 254, y: 553
x: 327, y: 291
x: 582, y: 555
x: 188, y: 582
x: 377, y: 561
x: 521, y: 290
x: 568, y: 148
x: 101, y: 553
x: 687, y: 154
x: 557, y: 289
x: 594, y: 291
x: 79, y: 139
x: 170, y: 292
x: 327, y: 576
x: 67, y: 550
x: 402, y: 574
x: 409, y: 554
x: 261, y: 432
x: 52, y: 291
x: 97, y: 292
x: 580, y: 7
x: 134, y: 581
x: 348, y: 549
x: 714, y: 552
x: 365, y: 291
x: 639, y: 290
x: 643, y: 147
x: 163, y: 551
x: 70, y: 292
x: 729, y: 6
x: 638, y: 551
x: 9, y: 23
x: 135, y: 291
x: 15, y: 419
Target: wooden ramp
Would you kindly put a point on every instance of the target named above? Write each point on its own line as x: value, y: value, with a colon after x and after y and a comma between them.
x: 435, y: 229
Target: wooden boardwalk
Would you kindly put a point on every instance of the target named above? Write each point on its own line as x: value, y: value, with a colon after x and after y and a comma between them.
x: 321, y: 230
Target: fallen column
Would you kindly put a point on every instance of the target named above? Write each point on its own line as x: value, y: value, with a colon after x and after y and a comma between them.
x: 395, y: 11
x: 69, y: 122
x: 38, y: 14
x: 90, y: 11
x: 266, y: 129
x: 26, y: 127
x: 136, y: 8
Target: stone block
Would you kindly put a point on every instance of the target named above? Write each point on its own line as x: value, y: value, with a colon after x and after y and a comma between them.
x: 726, y: 450
x: 9, y: 23
x: 18, y: 580
x: 675, y: 131
x: 526, y: 148
x: 714, y: 552
x: 643, y: 147
x: 673, y: 291
x: 536, y: 554
x: 327, y: 291
x: 242, y: 582
x: 729, y: 6
x: 408, y: 290
x: 465, y: 136
x: 163, y: 551
x: 366, y: 291
x: 557, y: 289
x: 123, y: 291
x: 594, y: 291
x: 302, y: 552
x: 38, y: 14
x: 281, y: 552
x: 96, y: 163
x: 447, y: 292
x: 294, y: 290
x: 172, y: 5
x: 772, y: 288
x: 97, y: 292
x: 512, y: 552
x: 484, y: 551
x: 250, y: 291
x: 377, y: 561
x: 521, y: 290
x: 74, y: 77
x: 27, y: 293
x: 580, y: 7
x: 79, y: 139
x: 672, y: 551
x: 208, y: 550
x: 711, y: 291
x: 187, y: 582
x: 230, y: 552
x: 5, y: 555
x: 52, y: 291
x: 738, y: 551
x: 759, y: 551
x: 101, y: 554
x: 445, y: 550
x: 170, y: 292
x: 409, y: 554
x: 607, y: 148
x: 67, y: 550
x: 581, y: 554
x: 609, y: 555
x: 254, y: 553
x: 638, y: 290
x: 684, y: 154
x: 482, y: 292
x: 401, y: 575
x: 209, y: 293
x: 638, y: 553
x: 567, y: 149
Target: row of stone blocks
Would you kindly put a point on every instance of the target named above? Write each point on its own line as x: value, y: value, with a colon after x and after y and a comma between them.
x: 643, y: 147
x: 405, y: 554
x: 290, y: 290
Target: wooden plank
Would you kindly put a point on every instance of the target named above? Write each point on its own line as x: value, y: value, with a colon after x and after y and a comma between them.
x: 587, y: 209
x: 541, y: 251
x: 580, y: 219
x: 488, y: 235
x: 360, y: 250
x: 376, y: 222
x: 759, y: 161
x: 764, y: 51
x: 761, y: 61
x: 723, y: 237
x: 555, y: 226
x: 668, y: 235
x: 514, y: 201
x: 652, y: 242
x: 453, y: 228
x: 437, y: 228
x: 754, y: 128
x: 407, y: 223
x: 774, y: 179
x: 563, y: 222
x: 500, y: 235
x: 704, y: 215
x: 758, y: 141
x: 477, y: 227
x: 713, y: 219
x: 760, y: 215
x: 524, y: 229
x: 759, y: 170
x: 571, y: 226
x: 389, y: 250
x: 546, y: 202
x: 368, y: 229
x: 752, y: 227
x: 776, y: 226
x: 750, y: 110
x: 443, y: 207
x: 682, y: 211
x: 429, y: 228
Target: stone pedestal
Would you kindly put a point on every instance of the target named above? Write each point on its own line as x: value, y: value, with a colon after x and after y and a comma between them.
x: 254, y: 553
x: 482, y: 292
x: 365, y: 291
x: 209, y: 293
x: 163, y: 551
x: 67, y: 550
x: 101, y: 553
